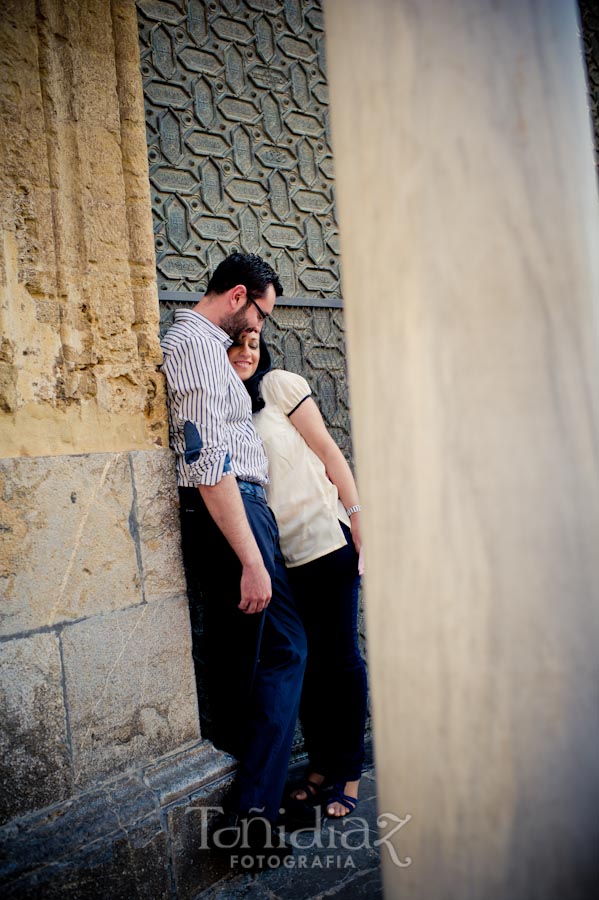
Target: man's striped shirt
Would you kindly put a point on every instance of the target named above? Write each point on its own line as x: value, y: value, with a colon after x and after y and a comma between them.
x: 210, y: 411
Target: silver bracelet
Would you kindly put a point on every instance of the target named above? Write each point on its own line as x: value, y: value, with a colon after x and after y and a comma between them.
x: 353, y: 509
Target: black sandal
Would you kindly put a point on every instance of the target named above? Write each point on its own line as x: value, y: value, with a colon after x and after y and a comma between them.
x: 305, y: 809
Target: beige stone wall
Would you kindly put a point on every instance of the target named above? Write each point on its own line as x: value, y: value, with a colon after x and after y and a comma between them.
x: 78, y: 303
x: 96, y: 674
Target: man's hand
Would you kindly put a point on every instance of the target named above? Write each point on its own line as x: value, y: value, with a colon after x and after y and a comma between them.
x: 226, y: 508
x: 256, y: 588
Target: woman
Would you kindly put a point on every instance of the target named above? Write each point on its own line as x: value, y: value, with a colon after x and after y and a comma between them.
x: 313, y: 495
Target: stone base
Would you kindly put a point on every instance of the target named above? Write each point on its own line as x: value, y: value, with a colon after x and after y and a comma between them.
x: 138, y: 836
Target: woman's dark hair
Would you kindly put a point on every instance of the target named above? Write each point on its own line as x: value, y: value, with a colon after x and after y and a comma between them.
x: 248, y: 269
x: 253, y: 384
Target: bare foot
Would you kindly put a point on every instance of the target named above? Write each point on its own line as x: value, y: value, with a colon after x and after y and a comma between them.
x: 309, y: 792
x: 338, y: 810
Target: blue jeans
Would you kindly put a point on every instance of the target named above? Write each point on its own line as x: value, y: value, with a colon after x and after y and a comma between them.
x: 334, y: 698
x: 254, y: 663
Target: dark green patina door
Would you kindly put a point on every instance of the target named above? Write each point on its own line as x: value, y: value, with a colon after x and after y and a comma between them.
x: 240, y: 159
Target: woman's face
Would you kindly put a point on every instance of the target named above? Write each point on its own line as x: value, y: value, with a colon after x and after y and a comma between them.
x: 244, y: 354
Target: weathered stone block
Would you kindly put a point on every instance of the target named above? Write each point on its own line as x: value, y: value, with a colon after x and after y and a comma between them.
x: 130, y: 687
x: 84, y: 378
x: 185, y: 773
x: 195, y: 867
x: 157, y: 505
x: 63, y: 830
x: 68, y: 549
x: 35, y: 768
x: 131, y: 866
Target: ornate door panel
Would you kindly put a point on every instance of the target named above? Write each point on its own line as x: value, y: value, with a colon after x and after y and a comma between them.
x: 240, y: 159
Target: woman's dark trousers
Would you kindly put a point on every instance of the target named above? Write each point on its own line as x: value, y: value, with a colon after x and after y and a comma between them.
x: 334, y: 698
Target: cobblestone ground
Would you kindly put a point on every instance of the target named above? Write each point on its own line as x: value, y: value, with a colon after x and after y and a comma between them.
x: 339, y: 859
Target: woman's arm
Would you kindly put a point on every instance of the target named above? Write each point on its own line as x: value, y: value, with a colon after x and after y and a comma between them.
x: 308, y: 421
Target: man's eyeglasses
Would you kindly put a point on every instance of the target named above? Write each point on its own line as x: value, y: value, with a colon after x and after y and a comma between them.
x: 263, y: 315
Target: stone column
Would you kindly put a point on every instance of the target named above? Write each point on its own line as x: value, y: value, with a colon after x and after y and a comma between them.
x: 95, y: 647
x: 468, y: 209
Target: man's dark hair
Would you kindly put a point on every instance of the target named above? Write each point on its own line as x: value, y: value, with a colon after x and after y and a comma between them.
x: 248, y: 269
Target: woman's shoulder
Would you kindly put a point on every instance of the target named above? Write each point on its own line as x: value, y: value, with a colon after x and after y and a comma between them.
x: 283, y: 377
x: 287, y: 389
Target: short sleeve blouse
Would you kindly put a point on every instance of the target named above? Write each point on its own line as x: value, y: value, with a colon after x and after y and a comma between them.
x: 305, y: 503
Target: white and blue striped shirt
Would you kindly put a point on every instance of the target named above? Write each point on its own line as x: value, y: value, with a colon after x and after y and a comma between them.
x: 210, y: 411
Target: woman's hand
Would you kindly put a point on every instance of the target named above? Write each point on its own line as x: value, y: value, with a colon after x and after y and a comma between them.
x: 354, y: 523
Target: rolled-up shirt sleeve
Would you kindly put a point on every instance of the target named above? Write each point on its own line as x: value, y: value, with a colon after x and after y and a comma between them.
x: 199, y: 371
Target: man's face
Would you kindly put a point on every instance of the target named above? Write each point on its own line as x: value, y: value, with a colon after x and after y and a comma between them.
x: 249, y: 317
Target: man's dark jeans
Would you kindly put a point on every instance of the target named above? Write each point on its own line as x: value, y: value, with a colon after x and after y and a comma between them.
x: 254, y: 663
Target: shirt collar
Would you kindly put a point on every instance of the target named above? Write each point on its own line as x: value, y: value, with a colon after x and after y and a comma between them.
x: 201, y: 325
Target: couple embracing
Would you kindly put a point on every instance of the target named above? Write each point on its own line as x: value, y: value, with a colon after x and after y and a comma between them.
x: 271, y: 541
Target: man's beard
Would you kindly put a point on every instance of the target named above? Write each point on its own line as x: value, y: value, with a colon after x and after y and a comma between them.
x: 236, y: 324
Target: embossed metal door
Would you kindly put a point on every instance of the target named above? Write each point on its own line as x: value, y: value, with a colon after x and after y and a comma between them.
x: 240, y: 158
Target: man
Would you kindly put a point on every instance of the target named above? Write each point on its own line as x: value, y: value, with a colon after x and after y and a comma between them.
x: 255, y: 642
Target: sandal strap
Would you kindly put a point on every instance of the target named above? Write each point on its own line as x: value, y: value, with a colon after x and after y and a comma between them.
x: 310, y: 787
x: 312, y: 790
x: 337, y: 796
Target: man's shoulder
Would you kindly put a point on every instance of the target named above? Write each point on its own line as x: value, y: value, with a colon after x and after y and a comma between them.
x: 189, y: 324
x: 180, y: 337
x: 200, y: 357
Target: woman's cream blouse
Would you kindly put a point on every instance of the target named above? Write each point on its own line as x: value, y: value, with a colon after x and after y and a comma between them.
x: 305, y: 503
